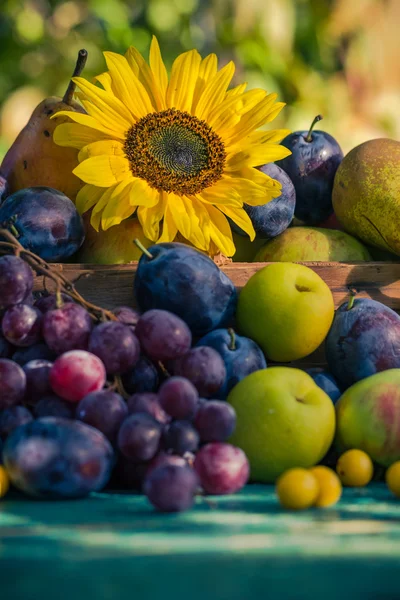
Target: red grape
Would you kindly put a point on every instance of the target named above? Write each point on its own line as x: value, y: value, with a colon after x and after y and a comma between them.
x: 116, y: 345
x: 67, y: 328
x: 171, y: 488
x: 77, y: 373
x: 16, y: 280
x: 204, y: 367
x: 105, y: 410
x: 215, y: 421
x: 149, y: 403
x: 12, y: 383
x: 178, y: 397
x: 139, y: 437
x: 222, y: 468
x: 162, y: 335
x: 22, y: 325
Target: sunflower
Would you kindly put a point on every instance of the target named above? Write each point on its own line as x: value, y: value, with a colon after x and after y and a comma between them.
x: 180, y: 153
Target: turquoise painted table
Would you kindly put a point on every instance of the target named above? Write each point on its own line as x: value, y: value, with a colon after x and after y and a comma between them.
x: 115, y: 546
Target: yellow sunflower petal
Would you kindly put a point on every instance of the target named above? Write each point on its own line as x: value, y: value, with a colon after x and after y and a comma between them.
x: 244, y: 188
x: 87, y: 197
x: 145, y: 75
x: 214, y: 91
x: 150, y: 218
x: 169, y: 228
x: 128, y: 87
x: 254, y: 118
x: 180, y: 216
x: 241, y: 218
x: 90, y: 122
x: 116, y: 208
x: 75, y: 135
x: 199, y: 219
x: 272, y: 136
x: 101, y: 147
x: 141, y: 194
x: 158, y: 68
x: 221, y: 193
x: 228, y: 113
x: 183, y: 80
x: 236, y: 91
x: 207, y: 70
x: 256, y: 155
x: 105, y: 80
x: 103, y: 171
x: 95, y: 218
x: 112, y: 111
x: 272, y: 188
x: 220, y: 231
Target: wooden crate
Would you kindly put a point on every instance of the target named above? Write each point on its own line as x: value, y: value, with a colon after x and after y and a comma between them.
x: 112, y: 285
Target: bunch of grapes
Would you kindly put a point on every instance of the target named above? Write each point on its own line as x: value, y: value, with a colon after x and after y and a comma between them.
x: 90, y: 398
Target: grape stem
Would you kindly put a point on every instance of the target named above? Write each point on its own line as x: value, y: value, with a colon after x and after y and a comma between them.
x: 232, y: 344
x: 12, y: 246
x: 119, y: 386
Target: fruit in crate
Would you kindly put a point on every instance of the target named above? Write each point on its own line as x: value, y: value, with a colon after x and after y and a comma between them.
x: 310, y: 244
x: 366, y: 193
x: 312, y: 165
x: 367, y: 417
x: 271, y: 219
x: 284, y: 420
x: 326, y: 382
x: 178, y: 278
x: 45, y: 221
x: 287, y: 309
x: 114, y: 246
x: 363, y: 340
x: 34, y: 159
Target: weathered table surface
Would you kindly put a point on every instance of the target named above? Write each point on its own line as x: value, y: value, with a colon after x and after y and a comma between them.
x: 114, y: 546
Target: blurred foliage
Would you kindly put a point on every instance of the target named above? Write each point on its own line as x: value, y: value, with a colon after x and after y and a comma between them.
x: 334, y: 57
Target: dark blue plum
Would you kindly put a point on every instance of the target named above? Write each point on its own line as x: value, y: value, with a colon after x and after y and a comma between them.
x: 142, y: 378
x: 13, y: 417
x: 58, y: 458
x: 240, y: 354
x: 179, y: 279
x: 326, y: 382
x: 364, y: 339
x: 47, y: 222
x: 271, y: 219
x: 312, y: 165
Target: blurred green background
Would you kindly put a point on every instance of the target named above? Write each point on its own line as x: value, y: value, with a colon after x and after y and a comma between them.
x: 335, y: 57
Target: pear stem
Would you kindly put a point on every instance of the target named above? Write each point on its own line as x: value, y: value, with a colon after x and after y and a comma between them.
x: 80, y: 64
x: 142, y: 248
x: 232, y: 345
x: 309, y: 137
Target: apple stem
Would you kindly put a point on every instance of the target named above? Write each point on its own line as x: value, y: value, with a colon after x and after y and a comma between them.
x: 232, y: 345
x: 80, y: 64
x: 309, y: 137
x: 350, y: 303
x: 142, y: 248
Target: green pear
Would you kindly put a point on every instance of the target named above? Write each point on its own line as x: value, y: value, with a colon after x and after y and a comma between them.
x: 298, y: 244
x: 366, y: 193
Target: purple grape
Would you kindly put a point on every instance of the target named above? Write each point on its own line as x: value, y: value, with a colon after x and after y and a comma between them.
x: 162, y: 459
x: 142, y: 378
x: 162, y: 335
x: 12, y: 383
x: 6, y: 349
x: 67, y: 328
x: 127, y: 316
x: 171, y: 488
x: 49, y: 302
x: 139, y: 437
x: 215, y: 421
x: 116, y: 345
x: 53, y: 406
x: 29, y: 299
x: 16, y: 280
x: 181, y: 437
x: 58, y: 458
x: 149, y: 403
x: 13, y: 417
x: 22, y: 325
x: 37, y: 379
x: 178, y: 397
x: 130, y: 474
x: 222, y: 468
x: 35, y: 352
x: 204, y: 367
x: 105, y: 410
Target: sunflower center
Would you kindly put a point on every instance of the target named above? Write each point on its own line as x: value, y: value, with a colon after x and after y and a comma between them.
x: 175, y: 152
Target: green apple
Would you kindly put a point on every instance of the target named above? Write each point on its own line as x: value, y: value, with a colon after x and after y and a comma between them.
x: 114, y: 246
x: 284, y: 420
x: 287, y: 309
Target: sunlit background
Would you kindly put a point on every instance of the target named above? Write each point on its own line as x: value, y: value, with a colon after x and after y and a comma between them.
x: 335, y: 57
